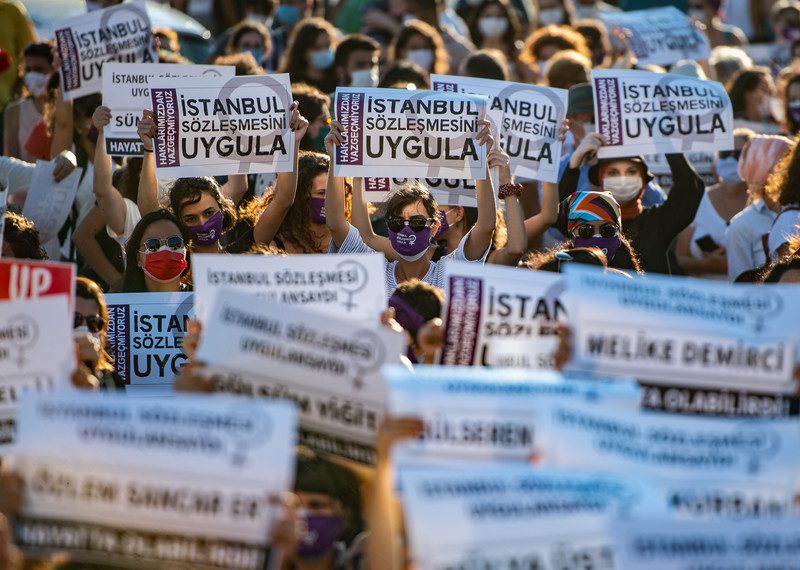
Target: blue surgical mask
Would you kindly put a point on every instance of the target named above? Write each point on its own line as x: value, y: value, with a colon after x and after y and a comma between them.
x: 258, y: 54
x: 288, y: 15
x: 322, y: 59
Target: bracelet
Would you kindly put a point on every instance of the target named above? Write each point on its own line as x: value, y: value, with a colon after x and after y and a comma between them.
x: 147, y: 149
x: 510, y: 189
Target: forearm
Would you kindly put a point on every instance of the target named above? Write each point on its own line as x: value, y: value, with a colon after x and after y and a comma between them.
x: 568, y: 183
x: 147, y: 199
x: 536, y: 225
x: 92, y: 253
x: 384, y: 550
x: 109, y: 200
x: 480, y: 237
x: 273, y: 215
x: 684, y: 197
x: 360, y: 218
x: 335, y: 217
x: 62, y: 126
x: 517, y: 242
x: 236, y: 186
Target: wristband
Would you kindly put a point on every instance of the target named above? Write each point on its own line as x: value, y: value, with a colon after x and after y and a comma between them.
x: 147, y: 149
x: 510, y: 189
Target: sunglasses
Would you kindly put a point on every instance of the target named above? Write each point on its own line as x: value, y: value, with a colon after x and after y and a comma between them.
x: 416, y: 223
x: 730, y: 153
x: 154, y: 244
x: 586, y: 231
x: 95, y: 323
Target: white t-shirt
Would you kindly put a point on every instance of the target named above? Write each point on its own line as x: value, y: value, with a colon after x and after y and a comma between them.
x: 353, y: 243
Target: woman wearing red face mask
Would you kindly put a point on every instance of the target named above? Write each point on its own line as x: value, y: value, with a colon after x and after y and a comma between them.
x: 156, y: 255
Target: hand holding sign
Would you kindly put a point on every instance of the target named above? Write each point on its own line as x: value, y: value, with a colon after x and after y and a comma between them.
x: 147, y: 129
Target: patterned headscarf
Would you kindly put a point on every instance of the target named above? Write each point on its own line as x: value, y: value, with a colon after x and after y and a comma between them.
x: 759, y: 156
x: 592, y: 207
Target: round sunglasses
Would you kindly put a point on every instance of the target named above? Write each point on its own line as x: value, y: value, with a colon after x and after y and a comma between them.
x: 416, y: 223
x: 152, y: 245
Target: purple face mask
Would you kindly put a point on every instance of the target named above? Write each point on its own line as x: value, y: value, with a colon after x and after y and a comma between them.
x: 321, y: 536
x: 444, y: 225
x: 408, y: 318
x: 208, y: 233
x: 316, y: 209
x: 608, y: 245
x: 410, y: 245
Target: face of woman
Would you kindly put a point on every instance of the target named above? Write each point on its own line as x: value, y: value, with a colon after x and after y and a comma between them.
x: 321, y: 43
x: 763, y: 91
x: 417, y: 42
x: 493, y: 11
x: 199, y: 213
x: 252, y: 42
x: 87, y: 308
x: 38, y: 64
x: 161, y: 230
x: 621, y: 168
x: 318, y: 186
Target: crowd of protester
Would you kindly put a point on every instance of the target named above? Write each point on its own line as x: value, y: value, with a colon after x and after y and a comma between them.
x: 128, y: 231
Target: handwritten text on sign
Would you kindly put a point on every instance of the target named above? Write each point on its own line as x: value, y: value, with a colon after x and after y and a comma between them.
x: 421, y: 134
x: 216, y: 125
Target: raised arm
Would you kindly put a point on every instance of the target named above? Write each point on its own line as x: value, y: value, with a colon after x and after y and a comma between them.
x: 517, y: 242
x: 335, y: 217
x: 62, y: 125
x: 285, y: 187
x: 480, y: 236
x: 109, y: 200
x: 147, y: 199
x: 687, y: 191
x: 236, y: 186
x: 359, y: 217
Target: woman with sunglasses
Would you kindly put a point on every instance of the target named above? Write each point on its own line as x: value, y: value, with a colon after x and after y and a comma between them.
x: 412, y: 218
x: 594, y: 221
x: 650, y: 230
x: 90, y: 333
x: 156, y: 255
x: 702, y: 248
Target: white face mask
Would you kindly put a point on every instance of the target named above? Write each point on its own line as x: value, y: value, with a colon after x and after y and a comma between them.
x: 542, y: 64
x: 82, y: 330
x: 492, y: 27
x: 551, y: 16
x: 422, y: 57
x: 36, y: 83
x: 623, y: 188
x: 364, y: 78
x: 728, y: 170
x: 765, y: 109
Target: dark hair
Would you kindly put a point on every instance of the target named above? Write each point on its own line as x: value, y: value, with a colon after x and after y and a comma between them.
x: 88, y: 289
x: 596, y: 37
x: 351, y: 44
x: 133, y: 280
x: 441, y: 59
x: 512, y: 33
x: 549, y: 261
x: 775, y: 272
x: 304, y: 35
x: 486, y: 64
x: 409, y: 193
x: 787, y: 80
x: 126, y: 179
x: 40, y: 49
x: 295, y: 228
x: 568, y: 68
x: 21, y: 235
x: 624, y: 258
x: 743, y: 82
x: 562, y: 37
x: 165, y: 56
x: 311, y: 102
x: 185, y: 191
x: 317, y: 475
x: 426, y: 299
x: 405, y: 72
x: 246, y: 27
x: 173, y: 46
x: 244, y: 63
x: 783, y: 184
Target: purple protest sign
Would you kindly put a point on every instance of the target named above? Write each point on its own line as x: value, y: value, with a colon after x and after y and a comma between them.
x: 463, y: 320
x: 166, y: 146
x: 607, y: 110
x: 350, y: 113
x: 70, y: 69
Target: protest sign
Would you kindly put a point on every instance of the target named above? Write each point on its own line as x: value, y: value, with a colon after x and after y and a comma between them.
x: 527, y: 118
x: 28, y: 279
x: 446, y: 191
x: 502, y: 317
x: 223, y: 125
x: 49, y: 202
x: 329, y: 366
x: 703, y: 163
x: 86, y: 42
x: 184, y: 482
x: 145, y: 336
x: 347, y: 286
x: 418, y: 134
x: 745, y: 544
x: 639, y: 112
x: 35, y: 353
x: 481, y: 414
x: 126, y: 91
x: 660, y: 36
x: 685, y: 332
x: 515, y: 517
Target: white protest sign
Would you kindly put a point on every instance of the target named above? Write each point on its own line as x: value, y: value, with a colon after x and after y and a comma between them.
x: 418, y: 134
x: 527, y: 119
x: 446, y: 191
x: 184, y: 482
x: 145, y: 336
x: 481, y: 414
x: 35, y: 353
x: 49, y: 202
x: 86, y: 42
x: 223, y: 125
x: 515, y: 517
x: 126, y: 91
x: 703, y: 163
x: 745, y: 544
x: 329, y: 366
x: 502, y: 316
x: 726, y: 402
x: 3, y: 207
x: 660, y: 36
x: 607, y: 435
x: 639, y: 112
x: 685, y: 332
x: 346, y: 286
